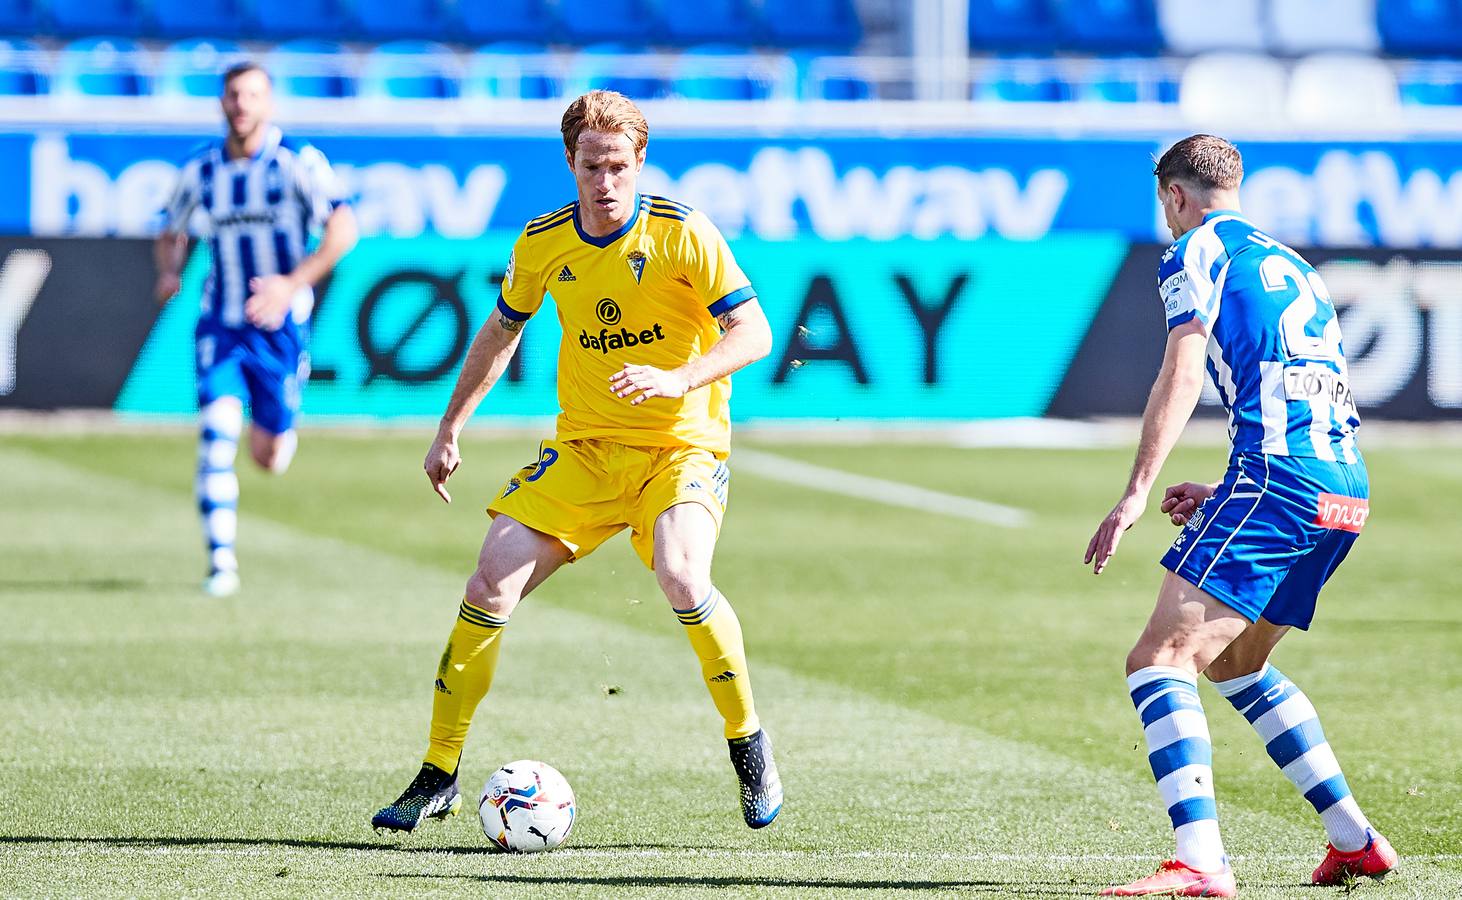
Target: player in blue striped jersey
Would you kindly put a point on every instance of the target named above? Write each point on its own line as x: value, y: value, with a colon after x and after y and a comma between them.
x: 1257, y: 546
x: 257, y: 199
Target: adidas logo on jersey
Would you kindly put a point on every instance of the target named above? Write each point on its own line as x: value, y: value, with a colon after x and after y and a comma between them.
x: 566, y: 275
x: 441, y: 687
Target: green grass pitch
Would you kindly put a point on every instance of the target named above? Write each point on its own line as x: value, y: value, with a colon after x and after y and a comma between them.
x: 946, y: 695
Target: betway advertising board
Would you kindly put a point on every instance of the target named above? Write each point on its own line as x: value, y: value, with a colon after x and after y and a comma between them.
x: 74, y: 181
x: 940, y: 330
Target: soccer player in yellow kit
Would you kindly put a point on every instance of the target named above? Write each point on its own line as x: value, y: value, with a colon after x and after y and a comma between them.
x: 656, y: 316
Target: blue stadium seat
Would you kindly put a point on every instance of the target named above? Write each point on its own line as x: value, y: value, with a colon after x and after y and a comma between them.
x: 1425, y: 84
x: 96, y: 17
x: 1131, y: 81
x: 837, y: 85
x: 324, y: 19
x: 20, y: 17
x: 494, y: 72
x: 306, y: 67
x: 1011, y: 25
x: 1021, y: 80
x: 185, y: 18
x: 718, y: 72
x: 103, y: 67
x: 194, y: 68
x: 506, y: 20
x: 1421, y: 27
x: 708, y: 21
x: 828, y: 24
x: 411, y: 70
x: 387, y: 19
x: 1109, y: 26
x: 22, y: 71
x: 600, y: 21
x: 618, y: 67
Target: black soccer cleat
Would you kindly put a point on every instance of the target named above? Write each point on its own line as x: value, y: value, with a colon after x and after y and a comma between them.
x: 432, y: 794
x: 761, y: 786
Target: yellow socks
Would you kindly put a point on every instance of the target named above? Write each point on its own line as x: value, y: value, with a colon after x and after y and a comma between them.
x: 463, y: 678
x: 715, y: 633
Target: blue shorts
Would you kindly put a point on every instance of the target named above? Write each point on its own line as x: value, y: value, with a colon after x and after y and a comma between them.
x: 1272, y: 534
x: 264, y: 369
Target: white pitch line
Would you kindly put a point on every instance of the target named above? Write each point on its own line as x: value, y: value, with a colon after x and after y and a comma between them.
x: 879, y: 490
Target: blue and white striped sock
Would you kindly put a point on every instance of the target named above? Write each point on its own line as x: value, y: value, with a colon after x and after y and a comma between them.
x: 218, y: 485
x: 1181, y: 757
x: 1290, y: 728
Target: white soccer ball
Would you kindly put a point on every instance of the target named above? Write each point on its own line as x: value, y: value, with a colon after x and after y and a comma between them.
x: 526, y: 807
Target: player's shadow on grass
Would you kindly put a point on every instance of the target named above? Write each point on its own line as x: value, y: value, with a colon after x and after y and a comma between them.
x: 1004, y: 889
x: 383, y: 844
x: 91, y: 585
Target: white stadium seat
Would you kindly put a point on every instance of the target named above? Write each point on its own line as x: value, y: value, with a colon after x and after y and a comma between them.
x: 1233, y: 89
x: 1197, y: 26
x: 1343, y: 89
x: 1305, y: 26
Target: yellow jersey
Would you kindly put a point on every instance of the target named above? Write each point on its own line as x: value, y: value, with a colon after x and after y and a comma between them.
x: 647, y: 294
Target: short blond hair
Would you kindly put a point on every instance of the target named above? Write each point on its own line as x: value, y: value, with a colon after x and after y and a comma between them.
x: 606, y: 111
x: 1202, y: 161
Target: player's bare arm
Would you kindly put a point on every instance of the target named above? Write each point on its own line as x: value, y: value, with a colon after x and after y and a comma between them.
x: 1171, y: 403
x: 272, y: 296
x: 747, y: 338
x: 168, y: 253
x: 488, y: 357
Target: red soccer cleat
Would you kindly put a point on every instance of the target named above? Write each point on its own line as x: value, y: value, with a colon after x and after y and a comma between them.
x: 1174, y: 879
x: 1373, y: 860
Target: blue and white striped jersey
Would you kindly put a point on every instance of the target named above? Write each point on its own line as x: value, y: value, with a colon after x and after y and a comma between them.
x: 257, y: 214
x: 1274, y: 349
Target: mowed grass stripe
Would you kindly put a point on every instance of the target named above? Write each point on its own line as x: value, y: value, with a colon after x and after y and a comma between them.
x: 866, y: 776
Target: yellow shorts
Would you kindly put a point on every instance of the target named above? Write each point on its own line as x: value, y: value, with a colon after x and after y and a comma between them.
x: 585, y: 492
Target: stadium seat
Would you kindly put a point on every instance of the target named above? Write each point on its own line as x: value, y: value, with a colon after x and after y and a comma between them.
x: 22, y: 69
x: 1305, y: 26
x: 1432, y: 84
x: 381, y: 20
x: 828, y: 24
x: 618, y: 67
x: 1421, y: 27
x: 411, y: 70
x: 310, y: 68
x: 1198, y: 26
x: 1020, y: 80
x: 506, y: 20
x: 1343, y: 88
x: 1011, y: 25
x: 1109, y: 26
x: 510, y: 70
x: 324, y: 19
x: 708, y: 21
x: 1131, y: 80
x: 1233, y: 88
x: 19, y: 17
x: 185, y: 18
x: 822, y: 78
x: 606, y: 21
x: 102, y: 67
x: 97, y: 17
x: 194, y: 68
x: 719, y: 72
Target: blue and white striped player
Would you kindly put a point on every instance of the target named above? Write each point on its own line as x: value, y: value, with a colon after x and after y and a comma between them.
x: 257, y: 199
x: 1257, y: 546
